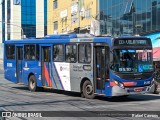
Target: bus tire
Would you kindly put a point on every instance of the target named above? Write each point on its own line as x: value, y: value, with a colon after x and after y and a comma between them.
x: 82, y: 95
x: 87, y: 90
x: 32, y: 84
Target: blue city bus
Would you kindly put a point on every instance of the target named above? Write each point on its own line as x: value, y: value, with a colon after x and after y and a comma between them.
x: 81, y: 63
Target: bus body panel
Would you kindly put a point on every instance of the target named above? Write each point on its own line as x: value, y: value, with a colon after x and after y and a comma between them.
x: 10, y: 70
x: 131, y: 87
x: 62, y: 71
x: 69, y: 76
x: 78, y: 71
x: 31, y: 67
x: 56, y: 75
x: 108, y: 90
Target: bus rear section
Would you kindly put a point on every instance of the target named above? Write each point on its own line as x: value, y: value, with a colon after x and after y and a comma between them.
x: 132, y: 66
x: 21, y: 61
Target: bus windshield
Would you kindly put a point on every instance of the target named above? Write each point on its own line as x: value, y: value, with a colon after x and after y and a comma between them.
x: 131, y: 60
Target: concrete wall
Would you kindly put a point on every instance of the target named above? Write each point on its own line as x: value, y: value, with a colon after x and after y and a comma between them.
x: 39, y: 18
x: 16, y: 29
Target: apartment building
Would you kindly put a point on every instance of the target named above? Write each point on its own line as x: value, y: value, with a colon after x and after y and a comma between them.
x: 71, y: 16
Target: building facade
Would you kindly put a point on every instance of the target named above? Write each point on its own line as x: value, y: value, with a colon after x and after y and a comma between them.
x: 130, y: 16
x: 111, y: 17
x: 23, y: 18
x: 69, y: 16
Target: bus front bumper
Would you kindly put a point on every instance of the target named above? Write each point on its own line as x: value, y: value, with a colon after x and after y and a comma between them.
x: 118, y: 91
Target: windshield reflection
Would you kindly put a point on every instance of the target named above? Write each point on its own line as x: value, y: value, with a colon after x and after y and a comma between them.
x: 127, y: 60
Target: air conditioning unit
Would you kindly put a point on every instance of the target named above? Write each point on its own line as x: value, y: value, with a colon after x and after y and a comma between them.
x: 82, y: 12
x: 88, y: 27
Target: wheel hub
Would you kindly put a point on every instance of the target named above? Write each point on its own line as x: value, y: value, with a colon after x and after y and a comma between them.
x: 89, y: 89
x: 32, y: 84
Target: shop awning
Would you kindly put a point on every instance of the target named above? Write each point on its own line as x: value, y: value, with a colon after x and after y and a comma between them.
x: 156, y: 54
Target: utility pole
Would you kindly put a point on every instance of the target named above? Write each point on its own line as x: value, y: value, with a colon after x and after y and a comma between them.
x: 79, y: 16
x: 22, y: 33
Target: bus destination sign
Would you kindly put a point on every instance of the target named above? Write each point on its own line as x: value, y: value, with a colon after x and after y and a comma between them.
x: 131, y: 42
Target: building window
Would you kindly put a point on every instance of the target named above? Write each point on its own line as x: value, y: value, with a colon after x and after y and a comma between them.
x: 55, y: 25
x: 64, y: 21
x: 88, y: 14
x: 71, y: 53
x: 55, y: 4
x: 28, y: 17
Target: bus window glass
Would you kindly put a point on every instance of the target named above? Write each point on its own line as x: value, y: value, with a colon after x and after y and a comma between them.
x: 132, y: 60
x: 71, y: 53
x: 29, y: 52
x: 58, y: 53
x: 88, y: 53
x: 10, y: 52
x: 32, y: 52
x: 37, y: 52
x: 84, y: 53
x: 46, y: 54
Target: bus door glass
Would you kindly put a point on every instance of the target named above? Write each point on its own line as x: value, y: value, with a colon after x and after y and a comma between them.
x: 19, y: 58
x: 46, y: 66
x: 101, y: 66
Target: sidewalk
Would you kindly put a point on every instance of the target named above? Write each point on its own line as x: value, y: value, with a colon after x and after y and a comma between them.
x: 1, y: 64
x: 1, y: 61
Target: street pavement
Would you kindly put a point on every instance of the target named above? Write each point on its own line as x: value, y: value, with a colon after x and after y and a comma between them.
x: 15, y: 97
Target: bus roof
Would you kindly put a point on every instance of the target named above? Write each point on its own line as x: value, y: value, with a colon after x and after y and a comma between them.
x: 122, y: 37
x: 61, y: 39
x: 67, y: 38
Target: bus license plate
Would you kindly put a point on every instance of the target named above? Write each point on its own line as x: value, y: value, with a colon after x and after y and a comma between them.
x: 138, y: 89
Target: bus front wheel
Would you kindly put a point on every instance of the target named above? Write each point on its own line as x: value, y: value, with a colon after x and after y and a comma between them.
x: 88, y: 90
x: 32, y: 83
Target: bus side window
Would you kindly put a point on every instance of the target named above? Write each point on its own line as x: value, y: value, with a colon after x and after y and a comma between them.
x: 32, y: 52
x: 26, y: 52
x: 88, y: 53
x: 58, y: 53
x: 84, y: 53
x: 46, y: 55
x: 71, y: 53
x: 29, y: 52
x: 10, y: 52
x: 37, y: 52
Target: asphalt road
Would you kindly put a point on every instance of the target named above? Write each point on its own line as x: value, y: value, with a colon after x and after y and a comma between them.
x: 15, y: 97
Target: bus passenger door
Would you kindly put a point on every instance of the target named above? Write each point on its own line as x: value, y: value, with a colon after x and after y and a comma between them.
x: 101, y: 69
x: 19, y: 58
x: 46, y: 66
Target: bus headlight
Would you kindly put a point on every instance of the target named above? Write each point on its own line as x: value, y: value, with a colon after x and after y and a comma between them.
x: 119, y: 83
x: 148, y: 82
